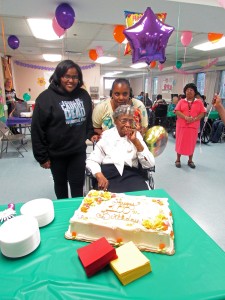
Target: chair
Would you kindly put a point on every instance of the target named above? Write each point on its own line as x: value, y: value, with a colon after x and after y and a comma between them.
x: 222, y: 138
x: 91, y: 182
x: 161, y: 114
x: 8, y: 138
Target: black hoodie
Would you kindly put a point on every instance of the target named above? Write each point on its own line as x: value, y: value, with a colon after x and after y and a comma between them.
x: 61, y: 123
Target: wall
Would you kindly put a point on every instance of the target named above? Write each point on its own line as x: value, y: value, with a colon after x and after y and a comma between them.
x: 26, y: 78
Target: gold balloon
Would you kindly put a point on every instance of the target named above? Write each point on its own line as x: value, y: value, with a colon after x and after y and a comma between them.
x: 156, y: 139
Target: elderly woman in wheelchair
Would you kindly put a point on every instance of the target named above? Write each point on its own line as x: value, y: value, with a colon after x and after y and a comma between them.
x: 118, y: 154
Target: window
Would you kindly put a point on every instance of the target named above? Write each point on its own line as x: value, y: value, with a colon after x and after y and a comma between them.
x: 222, y: 85
x: 155, y: 86
x: 201, y: 83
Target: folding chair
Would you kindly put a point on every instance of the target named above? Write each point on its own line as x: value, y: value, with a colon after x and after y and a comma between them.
x: 8, y: 138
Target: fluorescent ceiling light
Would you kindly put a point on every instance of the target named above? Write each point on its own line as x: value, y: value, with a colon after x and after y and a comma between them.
x: 42, y: 29
x: 105, y: 59
x: 111, y: 74
x: 211, y: 46
x: 139, y: 65
x: 52, y: 57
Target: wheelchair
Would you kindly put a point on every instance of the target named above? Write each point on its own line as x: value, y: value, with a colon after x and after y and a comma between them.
x: 161, y: 115
x: 90, y: 181
x: 205, y: 130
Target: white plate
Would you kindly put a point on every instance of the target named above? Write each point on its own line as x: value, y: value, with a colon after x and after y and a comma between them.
x: 42, y: 209
x: 19, y: 236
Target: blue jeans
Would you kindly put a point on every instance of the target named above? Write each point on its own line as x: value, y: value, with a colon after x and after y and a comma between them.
x: 217, y: 129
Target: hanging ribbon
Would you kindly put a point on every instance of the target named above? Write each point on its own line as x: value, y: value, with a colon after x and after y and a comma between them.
x: 31, y: 66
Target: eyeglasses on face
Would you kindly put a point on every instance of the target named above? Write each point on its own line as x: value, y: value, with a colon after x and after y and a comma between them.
x: 68, y: 77
x: 124, y: 121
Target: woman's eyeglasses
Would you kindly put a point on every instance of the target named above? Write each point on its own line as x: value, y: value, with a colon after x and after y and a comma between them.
x: 73, y: 77
x: 124, y: 121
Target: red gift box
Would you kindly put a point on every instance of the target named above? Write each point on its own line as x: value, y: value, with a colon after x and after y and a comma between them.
x: 96, y: 256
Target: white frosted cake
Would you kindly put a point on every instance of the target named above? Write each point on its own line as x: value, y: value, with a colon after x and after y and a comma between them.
x: 121, y: 218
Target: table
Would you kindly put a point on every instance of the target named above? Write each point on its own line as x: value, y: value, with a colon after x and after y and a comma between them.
x: 21, y: 122
x: 53, y: 270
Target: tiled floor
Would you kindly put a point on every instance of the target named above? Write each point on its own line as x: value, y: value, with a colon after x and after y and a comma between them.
x: 200, y: 192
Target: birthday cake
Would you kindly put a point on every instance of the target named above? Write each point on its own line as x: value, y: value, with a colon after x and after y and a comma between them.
x: 121, y: 218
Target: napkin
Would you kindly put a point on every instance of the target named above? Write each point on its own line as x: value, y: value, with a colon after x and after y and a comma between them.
x: 96, y: 256
x: 131, y: 264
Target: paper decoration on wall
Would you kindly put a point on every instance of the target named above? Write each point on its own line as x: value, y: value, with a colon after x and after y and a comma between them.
x: 41, y: 81
x: 212, y: 63
x: 31, y: 66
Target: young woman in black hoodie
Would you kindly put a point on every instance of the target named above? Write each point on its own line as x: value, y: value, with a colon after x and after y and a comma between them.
x: 61, y: 124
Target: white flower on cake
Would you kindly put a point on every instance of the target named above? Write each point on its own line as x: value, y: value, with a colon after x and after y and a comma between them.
x: 122, y: 218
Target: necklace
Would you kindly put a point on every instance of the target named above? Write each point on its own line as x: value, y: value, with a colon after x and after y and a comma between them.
x: 189, y: 105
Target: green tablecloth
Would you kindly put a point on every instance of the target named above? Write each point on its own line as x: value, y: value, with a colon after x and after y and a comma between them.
x: 53, y: 271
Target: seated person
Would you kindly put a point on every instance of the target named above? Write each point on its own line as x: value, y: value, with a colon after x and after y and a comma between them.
x: 160, y: 110
x: 173, y: 104
x: 121, y: 93
x: 217, y: 130
x: 147, y: 101
x: 141, y: 96
x: 115, y: 159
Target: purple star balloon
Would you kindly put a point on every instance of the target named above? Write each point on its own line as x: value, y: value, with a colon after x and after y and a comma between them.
x: 148, y: 38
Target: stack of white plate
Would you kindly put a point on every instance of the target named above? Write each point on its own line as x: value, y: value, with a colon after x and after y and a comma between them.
x: 19, y: 236
x: 42, y: 209
x: 26, y: 114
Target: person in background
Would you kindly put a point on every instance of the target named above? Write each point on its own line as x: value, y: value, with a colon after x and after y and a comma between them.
x: 189, y: 112
x: 173, y: 104
x: 181, y: 96
x: 204, y: 101
x: 61, y: 124
x: 217, y: 130
x: 141, y: 96
x: 217, y: 103
x: 114, y: 161
x: 10, y: 96
x: 147, y: 101
x: 120, y: 94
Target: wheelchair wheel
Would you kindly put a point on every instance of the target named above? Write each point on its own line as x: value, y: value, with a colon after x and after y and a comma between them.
x: 206, y: 133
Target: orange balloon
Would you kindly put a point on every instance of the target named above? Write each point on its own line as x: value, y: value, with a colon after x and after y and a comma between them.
x: 118, y: 33
x: 153, y: 64
x: 214, y: 37
x: 93, y: 54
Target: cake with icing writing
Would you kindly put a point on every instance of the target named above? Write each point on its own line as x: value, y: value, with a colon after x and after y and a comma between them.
x: 122, y: 218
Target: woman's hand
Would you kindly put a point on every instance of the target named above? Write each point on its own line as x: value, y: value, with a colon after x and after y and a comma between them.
x: 131, y: 134
x: 217, y: 101
x: 95, y: 138
x: 46, y: 165
x: 103, y: 182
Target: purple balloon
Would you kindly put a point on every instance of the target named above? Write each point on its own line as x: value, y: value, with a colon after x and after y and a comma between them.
x: 148, y: 38
x: 13, y: 42
x: 65, y: 15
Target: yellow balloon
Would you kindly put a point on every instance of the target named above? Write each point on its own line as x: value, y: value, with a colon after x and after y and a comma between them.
x: 156, y: 139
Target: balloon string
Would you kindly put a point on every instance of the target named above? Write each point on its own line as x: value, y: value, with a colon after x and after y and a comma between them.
x: 3, y: 36
x: 119, y: 50
x: 178, y: 27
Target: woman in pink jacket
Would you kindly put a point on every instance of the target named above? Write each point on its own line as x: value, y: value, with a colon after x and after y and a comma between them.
x: 189, y: 112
